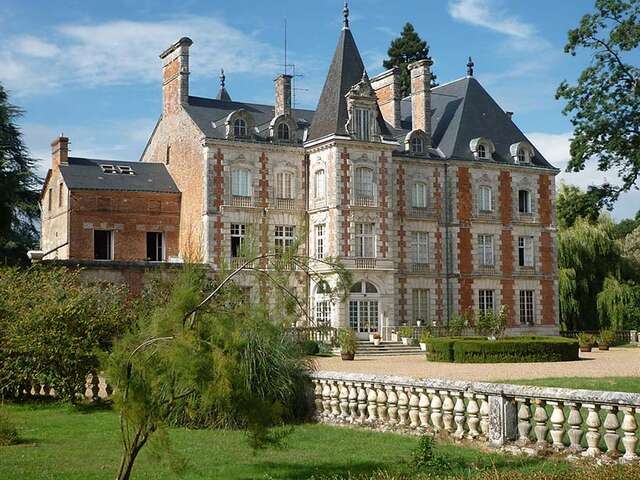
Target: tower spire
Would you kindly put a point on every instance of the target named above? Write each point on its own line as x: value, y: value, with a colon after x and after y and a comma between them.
x: 345, y: 13
x: 470, y: 66
x: 222, y: 78
x: 222, y: 93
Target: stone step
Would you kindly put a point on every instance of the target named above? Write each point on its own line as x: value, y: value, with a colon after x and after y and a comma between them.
x: 366, y: 348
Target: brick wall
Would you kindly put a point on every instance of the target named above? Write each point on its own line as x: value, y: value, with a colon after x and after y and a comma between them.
x: 465, y: 255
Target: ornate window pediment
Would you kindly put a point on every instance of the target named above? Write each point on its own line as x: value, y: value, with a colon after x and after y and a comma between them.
x: 362, y: 108
x: 282, y: 129
x: 239, y: 124
x: 416, y: 142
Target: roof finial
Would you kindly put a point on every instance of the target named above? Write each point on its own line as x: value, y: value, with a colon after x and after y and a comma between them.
x: 470, y: 66
x: 222, y: 78
x: 345, y: 12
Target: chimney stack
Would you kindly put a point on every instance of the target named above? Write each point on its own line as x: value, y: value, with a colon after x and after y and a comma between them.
x: 175, y: 75
x: 387, y: 89
x: 59, y: 151
x: 283, y: 95
x: 420, y: 72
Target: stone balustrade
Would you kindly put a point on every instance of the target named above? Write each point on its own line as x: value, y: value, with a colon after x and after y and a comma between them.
x: 96, y: 388
x: 591, y: 423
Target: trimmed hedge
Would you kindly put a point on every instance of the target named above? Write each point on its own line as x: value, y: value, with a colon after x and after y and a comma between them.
x: 506, y: 350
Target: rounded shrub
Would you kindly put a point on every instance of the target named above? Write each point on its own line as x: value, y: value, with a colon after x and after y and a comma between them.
x: 310, y: 347
x: 506, y: 350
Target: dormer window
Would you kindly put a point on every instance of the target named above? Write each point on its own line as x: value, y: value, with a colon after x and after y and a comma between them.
x: 283, y: 132
x: 416, y: 142
x: 361, y: 124
x: 482, y: 148
x: 417, y: 146
x: 522, y: 157
x: 126, y: 170
x: 239, y: 128
x: 522, y: 152
x: 108, y: 169
x: 482, y: 151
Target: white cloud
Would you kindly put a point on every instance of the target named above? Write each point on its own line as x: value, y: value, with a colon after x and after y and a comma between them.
x: 484, y: 13
x: 126, y: 52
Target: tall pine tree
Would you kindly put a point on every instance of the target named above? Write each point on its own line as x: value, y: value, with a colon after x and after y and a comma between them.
x: 18, y: 188
x: 405, y: 49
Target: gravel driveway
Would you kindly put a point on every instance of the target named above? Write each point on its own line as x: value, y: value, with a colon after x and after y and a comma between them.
x: 617, y: 362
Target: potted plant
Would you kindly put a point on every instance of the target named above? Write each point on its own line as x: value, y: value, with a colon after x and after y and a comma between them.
x: 376, y: 338
x: 585, y: 341
x: 394, y: 335
x: 348, y: 344
x: 406, y: 333
x: 424, y: 338
x: 418, y: 323
x: 605, y: 339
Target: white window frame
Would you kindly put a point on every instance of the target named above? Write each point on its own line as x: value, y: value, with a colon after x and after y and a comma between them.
x: 486, y: 301
x: 239, y: 231
x: 283, y: 237
x: 320, y: 231
x: 416, y: 145
x: 420, y: 248
x: 361, y: 119
x: 419, y: 195
x: 420, y: 298
x: 482, y: 151
x: 319, y: 184
x: 280, y: 130
x: 323, y: 313
x: 241, y: 182
x: 284, y: 185
x: 528, y: 207
x: 365, y: 240
x: 486, y: 198
x: 364, y: 184
x: 161, y: 248
x: 485, y: 250
x: 240, y: 128
x: 525, y: 251
x: 527, y: 307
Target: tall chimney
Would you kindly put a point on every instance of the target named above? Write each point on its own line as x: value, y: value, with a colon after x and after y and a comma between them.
x: 175, y: 75
x: 59, y: 151
x: 387, y: 89
x: 283, y: 95
x: 421, y: 96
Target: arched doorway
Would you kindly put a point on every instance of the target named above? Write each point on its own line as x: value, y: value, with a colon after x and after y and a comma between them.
x: 363, y: 308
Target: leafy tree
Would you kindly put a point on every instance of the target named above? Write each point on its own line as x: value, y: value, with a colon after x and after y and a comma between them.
x: 572, y: 203
x: 405, y: 49
x: 618, y: 304
x: 18, y: 188
x: 604, y: 104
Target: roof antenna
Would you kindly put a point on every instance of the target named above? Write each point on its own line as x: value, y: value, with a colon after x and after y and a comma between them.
x: 345, y: 12
x: 470, y: 66
x: 285, y: 46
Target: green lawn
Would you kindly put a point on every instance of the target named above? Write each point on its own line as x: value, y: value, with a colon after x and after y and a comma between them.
x: 612, y: 384
x: 64, y: 443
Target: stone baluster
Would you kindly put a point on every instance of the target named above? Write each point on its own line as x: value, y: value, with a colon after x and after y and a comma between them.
x: 575, y: 427
x: 593, y: 431
x: 326, y: 398
x: 436, y: 412
x: 630, y: 440
x: 473, y: 420
x: 317, y: 393
x: 371, y: 404
x: 414, y: 402
x: 447, y: 411
x: 392, y: 405
x: 335, y: 399
x: 95, y: 387
x: 611, y: 425
x: 403, y: 406
x: 524, y: 421
x: 381, y: 400
x: 458, y: 415
x: 362, y: 403
x: 540, y: 418
x: 46, y: 389
x: 343, y: 397
x: 557, y: 425
x: 484, y: 416
x: 353, y: 401
x: 424, y: 406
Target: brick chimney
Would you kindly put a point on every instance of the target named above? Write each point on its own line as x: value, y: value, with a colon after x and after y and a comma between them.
x: 387, y: 89
x: 421, y: 96
x: 59, y: 151
x: 175, y: 75
x: 283, y: 95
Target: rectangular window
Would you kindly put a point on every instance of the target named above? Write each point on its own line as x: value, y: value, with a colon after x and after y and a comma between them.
x: 527, y: 313
x: 485, y: 250
x: 284, y: 182
x: 419, y: 195
x: 319, y: 183
x: 241, y: 183
x: 323, y: 313
x: 485, y: 301
x: 486, y: 199
x: 103, y: 245
x: 365, y: 240
x: 420, y: 302
x: 49, y: 194
x: 420, y: 248
x: 155, y: 246
x: 320, y: 240
x: 364, y: 183
x: 238, y: 233
x: 524, y: 201
x: 283, y: 237
x: 60, y: 194
x: 525, y: 251
x: 362, y: 124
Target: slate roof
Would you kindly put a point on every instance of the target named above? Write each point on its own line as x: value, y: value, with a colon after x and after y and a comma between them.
x: 345, y: 71
x: 87, y: 174
x: 461, y: 111
x: 209, y: 115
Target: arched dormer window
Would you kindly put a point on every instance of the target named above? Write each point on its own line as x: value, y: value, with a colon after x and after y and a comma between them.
x: 522, y: 152
x: 283, y: 132
x: 482, y: 148
x: 282, y: 129
x: 522, y: 156
x: 416, y: 142
x: 417, y: 146
x: 239, y: 128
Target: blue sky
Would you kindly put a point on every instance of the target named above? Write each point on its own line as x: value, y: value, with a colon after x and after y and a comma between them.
x: 91, y: 69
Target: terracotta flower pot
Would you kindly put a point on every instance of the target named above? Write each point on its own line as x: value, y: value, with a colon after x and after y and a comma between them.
x: 585, y: 349
x: 347, y: 355
x: 603, y: 347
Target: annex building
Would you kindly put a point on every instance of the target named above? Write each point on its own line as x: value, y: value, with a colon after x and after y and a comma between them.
x: 437, y: 203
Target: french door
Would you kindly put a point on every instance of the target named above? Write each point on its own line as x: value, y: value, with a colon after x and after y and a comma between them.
x: 363, y: 317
